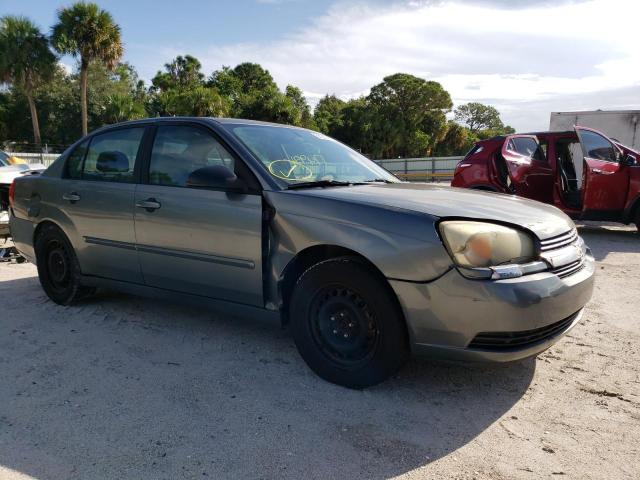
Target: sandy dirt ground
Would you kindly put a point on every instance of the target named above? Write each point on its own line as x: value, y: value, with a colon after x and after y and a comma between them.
x: 124, y: 387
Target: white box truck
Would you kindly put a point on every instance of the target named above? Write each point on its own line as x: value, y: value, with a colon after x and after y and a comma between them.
x: 619, y: 125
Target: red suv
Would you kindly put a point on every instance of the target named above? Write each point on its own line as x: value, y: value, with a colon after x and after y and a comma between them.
x: 582, y: 172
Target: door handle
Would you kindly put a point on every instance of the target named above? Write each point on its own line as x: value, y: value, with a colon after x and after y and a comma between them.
x: 72, y: 197
x: 150, y: 204
x: 596, y: 170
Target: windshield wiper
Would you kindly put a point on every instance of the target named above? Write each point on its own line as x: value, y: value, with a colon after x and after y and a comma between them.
x: 380, y: 180
x: 319, y: 183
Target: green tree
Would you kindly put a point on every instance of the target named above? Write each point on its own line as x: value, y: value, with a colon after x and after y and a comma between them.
x: 25, y: 61
x: 198, y: 101
x: 226, y: 82
x: 252, y: 91
x: 114, y: 96
x: 301, y: 109
x: 253, y: 78
x: 477, y: 116
x: 58, y: 107
x: 457, y: 140
x: 86, y: 31
x: 183, y: 72
x: 181, y: 90
x: 121, y: 107
x: 357, y: 125
x: 328, y: 115
x: 409, y: 115
x: 254, y: 94
x: 106, y: 101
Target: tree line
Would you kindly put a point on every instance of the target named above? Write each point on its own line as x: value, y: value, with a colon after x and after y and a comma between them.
x: 403, y: 116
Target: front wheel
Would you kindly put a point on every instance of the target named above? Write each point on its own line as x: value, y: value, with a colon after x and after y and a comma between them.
x: 346, y: 324
x: 58, y: 268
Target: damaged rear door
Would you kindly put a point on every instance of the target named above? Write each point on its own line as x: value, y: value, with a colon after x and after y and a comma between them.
x: 530, y: 174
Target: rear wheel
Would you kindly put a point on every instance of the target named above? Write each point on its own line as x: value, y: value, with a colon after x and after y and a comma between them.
x: 346, y: 324
x: 58, y: 268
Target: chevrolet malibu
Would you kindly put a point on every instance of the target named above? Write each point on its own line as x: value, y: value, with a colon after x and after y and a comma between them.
x: 284, y: 222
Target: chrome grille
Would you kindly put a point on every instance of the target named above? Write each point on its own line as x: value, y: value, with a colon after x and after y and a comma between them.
x: 570, y: 269
x: 559, y: 241
x: 565, y: 253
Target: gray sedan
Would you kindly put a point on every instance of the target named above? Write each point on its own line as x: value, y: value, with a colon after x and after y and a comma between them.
x: 284, y: 222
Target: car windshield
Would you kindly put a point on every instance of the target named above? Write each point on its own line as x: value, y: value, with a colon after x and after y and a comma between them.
x: 4, y: 159
x: 299, y: 157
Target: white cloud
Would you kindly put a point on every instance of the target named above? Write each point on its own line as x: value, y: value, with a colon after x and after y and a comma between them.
x: 542, y: 57
x: 66, y: 67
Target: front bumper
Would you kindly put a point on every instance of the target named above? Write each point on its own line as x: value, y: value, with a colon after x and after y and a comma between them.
x: 446, y: 315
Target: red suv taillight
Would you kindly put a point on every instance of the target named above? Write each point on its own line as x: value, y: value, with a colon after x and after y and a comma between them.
x: 12, y: 191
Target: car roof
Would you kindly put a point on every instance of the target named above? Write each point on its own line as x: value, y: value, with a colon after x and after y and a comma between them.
x: 219, y: 120
x: 545, y: 133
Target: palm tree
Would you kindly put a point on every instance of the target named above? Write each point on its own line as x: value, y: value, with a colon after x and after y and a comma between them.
x: 25, y: 60
x: 86, y: 31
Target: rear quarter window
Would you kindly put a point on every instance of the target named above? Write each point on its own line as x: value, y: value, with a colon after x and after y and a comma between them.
x: 73, y: 167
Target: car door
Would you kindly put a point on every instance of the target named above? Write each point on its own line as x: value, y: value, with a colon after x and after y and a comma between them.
x: 605, y: 179
x: 530, y: 174
x: 97, y: 195
x: 200, y: 241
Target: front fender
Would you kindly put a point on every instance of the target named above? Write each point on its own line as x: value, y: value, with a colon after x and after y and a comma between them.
x: 402, y: 245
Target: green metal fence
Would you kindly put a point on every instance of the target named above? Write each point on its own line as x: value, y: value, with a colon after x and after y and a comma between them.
x: 426, y: 169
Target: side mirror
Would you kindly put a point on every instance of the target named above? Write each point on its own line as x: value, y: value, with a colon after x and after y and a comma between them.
x: 217, y: 176
x: 629, y: 161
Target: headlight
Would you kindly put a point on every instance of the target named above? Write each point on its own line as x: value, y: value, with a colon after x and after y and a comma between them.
x: 488, y: 250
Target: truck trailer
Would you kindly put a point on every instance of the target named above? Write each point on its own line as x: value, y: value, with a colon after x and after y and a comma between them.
x: 619, y: 125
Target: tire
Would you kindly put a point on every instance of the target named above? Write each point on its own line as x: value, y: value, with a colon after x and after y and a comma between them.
x: 346, y: 324
x: 58, y: 268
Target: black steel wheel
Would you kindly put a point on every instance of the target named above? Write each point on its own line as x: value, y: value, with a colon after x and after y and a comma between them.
x: 58, y: 268
x: 346, y: 323
x: 343, y: 326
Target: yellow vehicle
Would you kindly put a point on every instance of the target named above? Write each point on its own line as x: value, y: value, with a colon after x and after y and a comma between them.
x: 11, y: 167
x: 7, y: 159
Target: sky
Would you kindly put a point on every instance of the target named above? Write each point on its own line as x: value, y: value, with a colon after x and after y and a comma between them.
x: 525, y: 57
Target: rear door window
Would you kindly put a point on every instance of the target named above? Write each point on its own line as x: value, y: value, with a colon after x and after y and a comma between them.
x: 112, y: 156
x: 526, y: 146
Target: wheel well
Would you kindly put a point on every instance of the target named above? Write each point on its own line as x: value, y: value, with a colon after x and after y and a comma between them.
x: 315, y: 254
x: 40, y: 227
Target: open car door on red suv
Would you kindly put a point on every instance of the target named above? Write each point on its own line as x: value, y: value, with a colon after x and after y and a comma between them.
x: 530, y: 174
x: 605, y: 177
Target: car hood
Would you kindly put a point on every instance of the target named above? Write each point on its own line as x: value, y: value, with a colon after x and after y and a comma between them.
x: 443, y: 201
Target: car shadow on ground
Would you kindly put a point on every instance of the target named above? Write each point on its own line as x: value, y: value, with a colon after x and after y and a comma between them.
x: 604, y: 238
x: 124, y: 387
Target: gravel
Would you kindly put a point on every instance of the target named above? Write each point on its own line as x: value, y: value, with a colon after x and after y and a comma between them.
x: 125, y: 387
